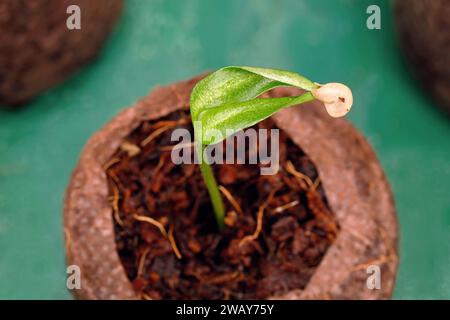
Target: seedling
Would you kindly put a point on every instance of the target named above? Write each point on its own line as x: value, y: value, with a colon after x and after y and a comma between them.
x: 228, y: 100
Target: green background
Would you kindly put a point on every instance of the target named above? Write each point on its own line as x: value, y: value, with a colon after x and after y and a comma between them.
x: 158, y: 42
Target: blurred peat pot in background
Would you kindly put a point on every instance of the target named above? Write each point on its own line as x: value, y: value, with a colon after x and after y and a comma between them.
x: 424, y: 33
x: 38, y: 50
x: 141, y: 227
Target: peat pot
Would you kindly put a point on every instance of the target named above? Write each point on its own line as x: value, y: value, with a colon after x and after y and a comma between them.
x: 141, y: 227
x: 37, y: 48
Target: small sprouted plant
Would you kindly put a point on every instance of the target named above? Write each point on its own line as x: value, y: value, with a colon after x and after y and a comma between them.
x: 227, y: 101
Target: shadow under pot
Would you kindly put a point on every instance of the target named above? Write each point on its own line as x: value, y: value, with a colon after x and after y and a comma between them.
x: 141, y: 227
x: 424, y: 33
x: 38, y: 50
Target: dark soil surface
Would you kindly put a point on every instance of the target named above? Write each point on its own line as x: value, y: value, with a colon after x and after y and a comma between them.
x: 167, y: 237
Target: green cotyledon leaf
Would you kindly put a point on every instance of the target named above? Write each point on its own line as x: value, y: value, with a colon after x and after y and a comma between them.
x: 226, y: 101
x: 224, y: 120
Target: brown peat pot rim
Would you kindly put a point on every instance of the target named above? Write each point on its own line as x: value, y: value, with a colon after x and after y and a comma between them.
x: 423, y: 31
x: 39, y: 51
x: 355, y: 185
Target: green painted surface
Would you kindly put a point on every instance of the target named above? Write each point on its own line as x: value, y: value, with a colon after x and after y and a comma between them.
x: 158, y: 42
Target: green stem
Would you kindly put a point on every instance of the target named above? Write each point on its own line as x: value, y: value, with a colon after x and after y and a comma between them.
x: 213, y: 189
